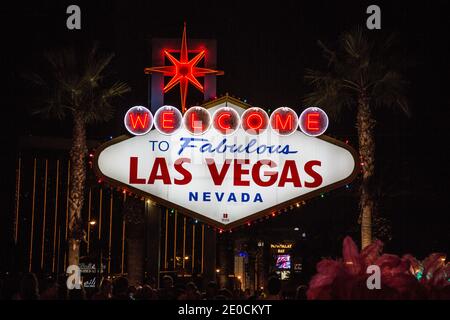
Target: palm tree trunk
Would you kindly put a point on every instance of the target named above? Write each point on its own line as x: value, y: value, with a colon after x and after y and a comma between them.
x: 77, y: 180
x: 365, y: 126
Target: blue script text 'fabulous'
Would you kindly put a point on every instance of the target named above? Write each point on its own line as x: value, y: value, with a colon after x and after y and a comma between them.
x: 223, y: 147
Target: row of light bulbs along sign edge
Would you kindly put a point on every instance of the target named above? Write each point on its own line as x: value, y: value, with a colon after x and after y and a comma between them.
x: 313, y: 121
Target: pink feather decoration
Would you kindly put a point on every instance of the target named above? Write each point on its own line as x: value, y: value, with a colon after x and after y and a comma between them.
x: 346, y: 278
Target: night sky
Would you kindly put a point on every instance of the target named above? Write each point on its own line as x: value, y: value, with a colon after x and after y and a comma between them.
x: 264, y: 49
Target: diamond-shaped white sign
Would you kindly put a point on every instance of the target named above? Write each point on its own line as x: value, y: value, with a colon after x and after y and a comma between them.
x: 206, y: 176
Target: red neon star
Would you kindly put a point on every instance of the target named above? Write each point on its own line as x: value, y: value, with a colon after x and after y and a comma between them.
x: 183, y: 71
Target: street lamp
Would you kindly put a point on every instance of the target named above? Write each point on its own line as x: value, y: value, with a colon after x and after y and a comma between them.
x: 239, y: 282
x: 91, y: 226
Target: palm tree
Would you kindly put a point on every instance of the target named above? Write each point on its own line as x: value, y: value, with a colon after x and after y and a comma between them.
x: 75, y: 87
x: 359, y: 75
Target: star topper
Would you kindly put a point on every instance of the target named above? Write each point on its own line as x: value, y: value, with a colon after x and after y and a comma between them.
x: 183, y: 71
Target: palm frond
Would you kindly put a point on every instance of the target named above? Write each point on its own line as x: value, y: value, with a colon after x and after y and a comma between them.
x: 76, y: 81
x: 328, y: 54
x: 100, y: 109
x: 357, y: 66
x: 389, y: 91
x: 95, y: 69
x: 356, y: 44
x: 330, y: 93
x: 51, y: 108
x: 118, y: 89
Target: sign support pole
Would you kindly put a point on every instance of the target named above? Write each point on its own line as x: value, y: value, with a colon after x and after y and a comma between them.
x: 209, y: 271
x: 153, y: 238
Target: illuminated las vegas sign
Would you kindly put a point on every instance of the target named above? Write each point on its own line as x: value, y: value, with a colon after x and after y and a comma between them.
x: 226, y: 163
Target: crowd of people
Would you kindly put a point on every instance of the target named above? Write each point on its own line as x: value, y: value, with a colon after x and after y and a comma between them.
x: 346, y: 278
x: 28, y: 287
